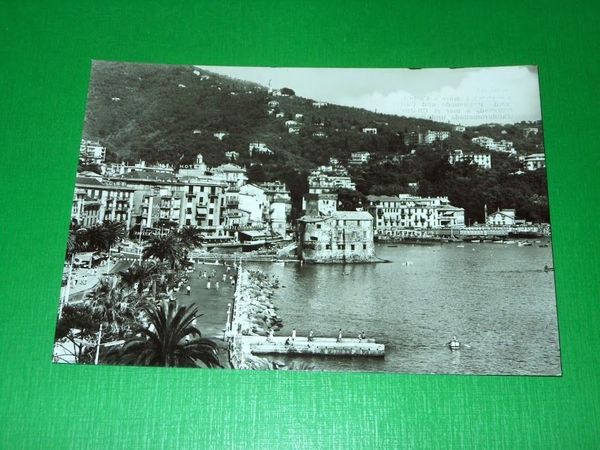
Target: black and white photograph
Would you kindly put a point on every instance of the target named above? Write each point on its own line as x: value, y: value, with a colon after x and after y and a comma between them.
x: 313, y: 219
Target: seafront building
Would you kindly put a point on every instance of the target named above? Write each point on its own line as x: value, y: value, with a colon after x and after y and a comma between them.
x: 411, y: 216
x: 96, y: 200
x: 340, y: 236
x: 501, y: 218
x: 154, y: 199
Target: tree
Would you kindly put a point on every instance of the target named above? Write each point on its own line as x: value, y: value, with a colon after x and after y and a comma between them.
x: 190, y: 236
x: 114, y: 233
x: 170, y: 340
x: 96, y: 238
x: 114, y: 307
x: 139, y: 274
x: 165, y: 248
x: 77, y: 326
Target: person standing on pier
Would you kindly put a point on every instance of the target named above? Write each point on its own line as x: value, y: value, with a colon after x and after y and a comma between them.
x: 188, y: 290
x: 270, y: 335
x: 293, y: 335
x: 339, y: 338
x: 310, y: 335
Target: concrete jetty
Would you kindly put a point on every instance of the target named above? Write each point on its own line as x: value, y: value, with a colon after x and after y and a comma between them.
x: 259, y: 345
x: 247, y: 336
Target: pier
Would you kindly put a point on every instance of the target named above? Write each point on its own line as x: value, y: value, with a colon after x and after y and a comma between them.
x: 260, y: 345
x: 245, y: 346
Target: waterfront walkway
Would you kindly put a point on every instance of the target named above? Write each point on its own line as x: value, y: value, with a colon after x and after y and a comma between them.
x: 245, y: 344
x: 258, y: 345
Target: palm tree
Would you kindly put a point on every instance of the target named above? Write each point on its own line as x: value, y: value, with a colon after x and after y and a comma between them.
x: 115, y: 232
x: 170, y: 340
x: 165, y: 248
x: 96, y: 238
x: 190, y: 236
x: 115, y: 308
x: 140, y: 273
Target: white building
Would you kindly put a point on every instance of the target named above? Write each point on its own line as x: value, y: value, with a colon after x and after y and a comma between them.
x: 198, y: 169
x: 91, y: 152
x: 232, y: 155
x: 329, y: 179
x: 407, y: 215
x: 291, y: 123
x: 294, y: 130
x: 529, y: 131
x: 369, y: 130
x: 259, y: 147
x: 220, y: 135
x: 280, y: 115
x: 534, y: 161
x: 234, y: 175
x: 504, y: 217
x: 502, y: 145
x: 359, y: 158
x: 432, y: 136
x: 298, y: 116
x: 273, y: 104
x: 459, y: 128
x: 319, y: 134
x: 319, y: 104
x: 483, y: 160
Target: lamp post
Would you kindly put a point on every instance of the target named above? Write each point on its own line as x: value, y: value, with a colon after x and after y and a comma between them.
x: 98, y: 345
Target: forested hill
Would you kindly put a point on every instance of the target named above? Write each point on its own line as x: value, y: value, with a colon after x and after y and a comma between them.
x: 151, y: 112
x: 168, y: 113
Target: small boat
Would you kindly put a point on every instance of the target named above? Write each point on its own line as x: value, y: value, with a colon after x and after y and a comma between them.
x: 392, y: 246
x: 524, y: 244
x: 454, y: 344
x: 543, y: 245
x: 460, y: 246
x: 547, y: 268
x: 476, y: 240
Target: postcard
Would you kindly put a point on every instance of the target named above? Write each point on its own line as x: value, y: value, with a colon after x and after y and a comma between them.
x: 373, y: 220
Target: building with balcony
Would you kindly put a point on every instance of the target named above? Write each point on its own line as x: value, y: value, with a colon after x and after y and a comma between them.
x: 91, y: 152
x: 412, y: 216
x: 96, y: 200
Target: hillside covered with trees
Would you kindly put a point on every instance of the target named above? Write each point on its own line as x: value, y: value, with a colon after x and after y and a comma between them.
x: 169, y: 114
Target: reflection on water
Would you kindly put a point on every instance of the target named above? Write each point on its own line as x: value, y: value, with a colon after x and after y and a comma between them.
x: 497, y: 299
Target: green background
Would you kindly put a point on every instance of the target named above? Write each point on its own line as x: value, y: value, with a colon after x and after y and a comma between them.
x: 45, y: 53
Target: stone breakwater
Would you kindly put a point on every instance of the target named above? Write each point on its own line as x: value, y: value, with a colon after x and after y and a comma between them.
x: 253, y: 314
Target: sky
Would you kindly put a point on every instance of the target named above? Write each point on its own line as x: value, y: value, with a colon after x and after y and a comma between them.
x: 466, y: 96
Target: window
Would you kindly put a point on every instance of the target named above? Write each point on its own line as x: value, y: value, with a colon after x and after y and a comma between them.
x: 352, y: 247
x: 319, y: 225
x: 327, y: 247
x: 188, y: 222
x: 188, y: 210
x: 364, y: 246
